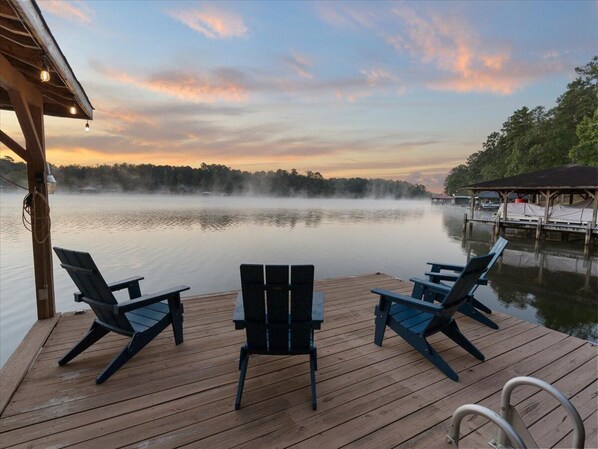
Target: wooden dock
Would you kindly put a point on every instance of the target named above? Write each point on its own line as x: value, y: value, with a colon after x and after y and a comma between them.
x: 368, y: 396
x: 537, y: 228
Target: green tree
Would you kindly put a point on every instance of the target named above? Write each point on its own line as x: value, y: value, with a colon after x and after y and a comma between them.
x: 586, y: 150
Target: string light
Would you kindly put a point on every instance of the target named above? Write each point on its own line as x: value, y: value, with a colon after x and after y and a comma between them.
x: 87, y: 126
x: 73, y: 109
x: 44, y: 74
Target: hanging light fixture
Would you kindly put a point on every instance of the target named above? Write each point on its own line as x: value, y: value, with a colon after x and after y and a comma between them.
x: 87, y: 126
x: 44, y: 74
x: 73, y: 109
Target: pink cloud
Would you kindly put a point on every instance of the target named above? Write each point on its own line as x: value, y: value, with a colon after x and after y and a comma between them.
x: 452, y: 46
x: 212, y: 22
x: 71, y: 10
x: 201, y: 88
x: 300, y: 64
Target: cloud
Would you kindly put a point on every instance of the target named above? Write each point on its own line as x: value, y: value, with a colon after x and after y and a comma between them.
x: 454, y: 48
x: 74, y: 10
x: 464, y: 60
x: 212, y: 22
x: 344, y: 15
x: 300, y: 64
x: 222, y: 84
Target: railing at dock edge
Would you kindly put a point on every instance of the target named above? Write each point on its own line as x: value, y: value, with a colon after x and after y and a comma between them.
x: 511, y: 427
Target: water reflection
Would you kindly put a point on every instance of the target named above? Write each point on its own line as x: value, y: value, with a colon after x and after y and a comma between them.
x: 201, y: 242
x: 557, y: 282
x: 219, y: 220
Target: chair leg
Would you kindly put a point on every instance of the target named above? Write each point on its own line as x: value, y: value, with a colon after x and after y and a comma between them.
x: 177, y: 328
x: 469, y: 310
x: 381, y: 311
x: 425, y: 349
x: 176, y: 312
x: 478, y: 305
x: 137, y: 343
x: 452, y: 331
x: 94, y: 334
x: 313, y: 366
x: 243, y: 363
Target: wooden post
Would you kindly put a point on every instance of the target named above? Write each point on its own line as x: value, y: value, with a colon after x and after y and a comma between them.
x: 464, y: 230
x: 505, y: 202
x: 546, y: 205
x: 541, y: 269
x: 595, y: 211
x: 588, y: 238
x: 27, y: 103
x: 497, y: 227
x: 539, y: 229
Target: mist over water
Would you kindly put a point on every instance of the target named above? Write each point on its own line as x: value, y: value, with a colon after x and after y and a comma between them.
x: 201, y: 241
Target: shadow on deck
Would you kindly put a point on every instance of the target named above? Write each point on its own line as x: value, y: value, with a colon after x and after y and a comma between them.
x: 368, y: 396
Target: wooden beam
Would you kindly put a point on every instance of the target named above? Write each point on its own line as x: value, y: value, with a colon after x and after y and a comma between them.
x: 35, y: 23
x: 548, y: 200
x: 40, y: 223
x: 14, y: 146
x: 595, y: 211
x: 21, y: 92
x: 27, y: 102
x: 16, y: 367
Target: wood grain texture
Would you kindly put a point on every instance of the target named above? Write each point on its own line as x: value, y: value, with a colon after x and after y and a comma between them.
x: 368, y: 396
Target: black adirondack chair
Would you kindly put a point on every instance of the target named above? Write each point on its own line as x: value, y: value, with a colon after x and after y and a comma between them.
x: 142, y: 318
x: 279, y: 315
x: 414, y: 318
x: 472, y: 306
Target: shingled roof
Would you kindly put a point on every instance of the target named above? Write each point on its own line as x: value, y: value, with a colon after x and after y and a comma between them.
x: 566, y: 178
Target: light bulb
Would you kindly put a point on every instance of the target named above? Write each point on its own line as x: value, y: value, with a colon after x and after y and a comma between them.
x: 86, y: 127
x: 44, y: 75
x: 73, y: 110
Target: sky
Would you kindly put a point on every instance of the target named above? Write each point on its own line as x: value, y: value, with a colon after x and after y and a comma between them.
x: 392, y: 90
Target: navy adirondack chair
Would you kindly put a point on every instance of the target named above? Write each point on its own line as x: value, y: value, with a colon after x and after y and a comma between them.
x: 414, y: 318
x: 142, y: 317
x: 471, y: 306
x: 279, y: 315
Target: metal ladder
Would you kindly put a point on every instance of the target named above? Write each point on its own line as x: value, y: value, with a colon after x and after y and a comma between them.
x: 510, y: 425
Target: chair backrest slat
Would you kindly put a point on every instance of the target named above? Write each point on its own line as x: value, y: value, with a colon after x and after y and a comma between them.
x: 474, y: 269
x: 88, y: 279
x: 302, y: 281
x: 254, y: 305
x: 497, y: 249
x: 460, y: 290
x: 278, y: 310
x: 277, y: 296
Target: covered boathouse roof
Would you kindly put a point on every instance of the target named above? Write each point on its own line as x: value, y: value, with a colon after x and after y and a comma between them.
x: 28, y: 45
x: 567, y: 178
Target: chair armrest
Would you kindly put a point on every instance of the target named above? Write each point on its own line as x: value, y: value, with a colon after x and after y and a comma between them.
x: 437, y: 266
x: 119, y: 285
x: 437, y: 277
x: 146, y: 300
x: 239, y: 312
x: 317, y: 309
x: 418, y: 304
x: 426, y: 286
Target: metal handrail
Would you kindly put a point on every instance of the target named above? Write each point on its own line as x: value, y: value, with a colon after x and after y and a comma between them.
x: 509, y: 414
x: 474, y: 409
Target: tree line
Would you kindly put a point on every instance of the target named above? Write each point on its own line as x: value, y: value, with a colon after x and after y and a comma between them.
x: 213, y: 178
x: 536, y: 139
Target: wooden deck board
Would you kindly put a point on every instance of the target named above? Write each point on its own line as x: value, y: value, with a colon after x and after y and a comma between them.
x: 368, y: 396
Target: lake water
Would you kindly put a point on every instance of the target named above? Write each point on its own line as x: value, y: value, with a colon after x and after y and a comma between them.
x: 201, y: 241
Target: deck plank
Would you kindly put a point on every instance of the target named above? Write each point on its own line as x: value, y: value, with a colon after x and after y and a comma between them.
x: 368, y: 396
